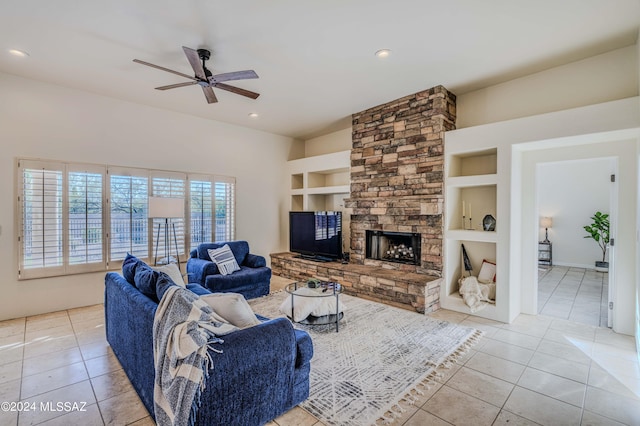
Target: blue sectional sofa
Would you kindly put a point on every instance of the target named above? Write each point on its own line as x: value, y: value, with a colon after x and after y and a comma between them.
x: 252, y: 280
x: 262, y: 372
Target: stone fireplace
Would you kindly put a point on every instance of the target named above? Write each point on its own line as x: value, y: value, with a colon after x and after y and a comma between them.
x: 397, y: 165
x: 395, y: 204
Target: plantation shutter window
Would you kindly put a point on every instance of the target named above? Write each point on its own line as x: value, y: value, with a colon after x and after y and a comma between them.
x: 225, y: 226
x: 129, y: 192
x: 85, y: 218
x: 169, y: 185
x: 76, y: 218
x: 200, y: 211
x: 41, y: 222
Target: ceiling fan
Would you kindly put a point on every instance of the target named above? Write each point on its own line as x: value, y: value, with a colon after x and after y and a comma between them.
x: 205, y: 78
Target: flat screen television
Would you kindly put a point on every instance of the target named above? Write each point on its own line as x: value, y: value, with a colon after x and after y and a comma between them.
x: 316, y: 235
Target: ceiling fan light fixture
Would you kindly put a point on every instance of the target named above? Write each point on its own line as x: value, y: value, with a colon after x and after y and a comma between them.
x: 204, y: 78
x: 18, y: 53
x: 383, y: 53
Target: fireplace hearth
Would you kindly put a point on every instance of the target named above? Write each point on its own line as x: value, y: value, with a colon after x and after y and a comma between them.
x: 397, y: 247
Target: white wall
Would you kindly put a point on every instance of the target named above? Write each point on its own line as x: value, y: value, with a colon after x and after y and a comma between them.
x: 611, y: 129
x: 638, y: 223
x: 326, y: 144
x: 571, y: 192
x: 40, y: 120
x: 612, y: 75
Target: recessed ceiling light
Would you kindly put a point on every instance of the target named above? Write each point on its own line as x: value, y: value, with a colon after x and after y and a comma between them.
x: 383, y: 53
x: 254, y: 115
x: 20, y: 53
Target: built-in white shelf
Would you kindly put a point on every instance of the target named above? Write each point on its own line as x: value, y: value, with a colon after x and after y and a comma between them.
x: 472, y: 163
x: 470, y: 181
x: 472, y: 235
x: 471, y: 184
x: 320, y: 182
x: 454, y: 302
x: 338, y: 189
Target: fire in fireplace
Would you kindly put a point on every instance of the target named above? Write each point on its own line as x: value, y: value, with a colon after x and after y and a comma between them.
x: 400, y: 247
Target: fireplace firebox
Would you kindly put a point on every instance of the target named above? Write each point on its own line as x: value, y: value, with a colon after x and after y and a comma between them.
x: 399, y: 247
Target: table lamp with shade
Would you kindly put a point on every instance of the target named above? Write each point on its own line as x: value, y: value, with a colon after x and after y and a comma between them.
x: 166, y: 208
x: 546, y: 223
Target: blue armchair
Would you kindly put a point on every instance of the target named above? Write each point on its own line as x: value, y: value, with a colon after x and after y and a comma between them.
x: 252, y: 280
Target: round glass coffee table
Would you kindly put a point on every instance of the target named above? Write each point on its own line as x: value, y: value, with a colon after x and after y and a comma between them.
x: 323, y: 289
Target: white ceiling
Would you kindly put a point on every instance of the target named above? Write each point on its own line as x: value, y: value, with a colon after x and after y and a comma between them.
x: 315, y: 59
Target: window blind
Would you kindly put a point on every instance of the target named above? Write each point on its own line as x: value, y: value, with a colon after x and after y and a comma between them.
x: 170, y: 186
x: 84, y: 218
x: 225, y: 229
x: 41, y: 238
x: 129, y: 214
x: 200, y: 212
x: 77, y: 218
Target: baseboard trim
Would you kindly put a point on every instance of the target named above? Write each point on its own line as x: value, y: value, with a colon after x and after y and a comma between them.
x: 575, y: 265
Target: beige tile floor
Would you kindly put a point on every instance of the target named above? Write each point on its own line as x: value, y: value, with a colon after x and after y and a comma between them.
x: 576, y: 294
x: 537, y: 370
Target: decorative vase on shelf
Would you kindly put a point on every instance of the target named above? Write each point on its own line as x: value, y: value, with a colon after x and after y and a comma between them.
x: 489, y: 223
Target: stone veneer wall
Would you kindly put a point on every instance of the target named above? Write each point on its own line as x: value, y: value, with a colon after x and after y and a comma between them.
x: 397, y: 166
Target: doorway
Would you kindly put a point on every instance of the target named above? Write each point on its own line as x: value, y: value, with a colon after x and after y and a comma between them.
x: 568, y: 193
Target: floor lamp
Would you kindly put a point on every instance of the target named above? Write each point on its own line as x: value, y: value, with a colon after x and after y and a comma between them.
x: 166, y: 208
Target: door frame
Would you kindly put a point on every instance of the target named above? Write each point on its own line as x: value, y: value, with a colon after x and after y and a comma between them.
x: 613, y: 218
x: 622, y: 145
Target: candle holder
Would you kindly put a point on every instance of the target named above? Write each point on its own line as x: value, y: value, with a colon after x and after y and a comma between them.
x: 470, y: 225
x: 464, y: 222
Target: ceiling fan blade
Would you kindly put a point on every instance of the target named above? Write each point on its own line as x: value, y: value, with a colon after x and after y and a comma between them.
x: 236, y: 90
x: 194, y: 60
x: 138, y: 61
x: 208, y: 93
x: 173, y: 86
x: 236, y: 75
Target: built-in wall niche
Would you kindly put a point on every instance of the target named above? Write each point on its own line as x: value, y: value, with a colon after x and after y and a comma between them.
x: 474, y: 163
x: 477, y: 201
x: 320, y: 183
x: 478, y: 251
x: 297, y: 181
x: 326, y: 202
x: 297, y: 203
x: 328, y: 178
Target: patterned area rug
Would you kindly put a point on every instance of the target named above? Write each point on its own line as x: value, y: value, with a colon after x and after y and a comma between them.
x: 379, y: 357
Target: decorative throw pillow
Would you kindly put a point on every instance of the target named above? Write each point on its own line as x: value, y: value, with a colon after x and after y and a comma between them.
x: 172, y: 270
x: 487, y: 272
x: 224, y: 259
x: 303, y: 306
x: 145, y: 280
x: 129, y: 268
x: 233, y: 308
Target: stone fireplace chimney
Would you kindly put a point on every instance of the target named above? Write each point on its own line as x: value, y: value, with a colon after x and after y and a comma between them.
x: 397, y: 166
x: 396, y: 203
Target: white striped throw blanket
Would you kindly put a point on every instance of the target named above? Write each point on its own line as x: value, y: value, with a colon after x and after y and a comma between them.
x: 184, y: 330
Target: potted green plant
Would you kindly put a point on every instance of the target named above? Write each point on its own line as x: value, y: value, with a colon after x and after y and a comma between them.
x: 599, y: 231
